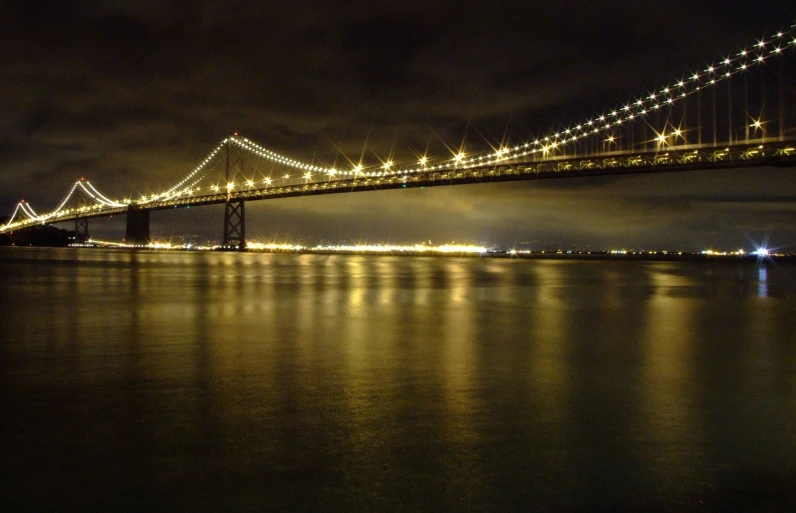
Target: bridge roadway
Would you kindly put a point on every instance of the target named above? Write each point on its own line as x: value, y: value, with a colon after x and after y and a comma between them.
x: 680, y: 158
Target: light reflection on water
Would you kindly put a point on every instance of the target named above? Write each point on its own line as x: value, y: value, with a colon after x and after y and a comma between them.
x: 762, y: 278
x: 206, y: 381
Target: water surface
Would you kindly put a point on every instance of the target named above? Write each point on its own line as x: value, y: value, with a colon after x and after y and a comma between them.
x: 256, y: 382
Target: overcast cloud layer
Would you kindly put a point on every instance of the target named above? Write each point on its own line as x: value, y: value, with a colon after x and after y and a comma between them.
x: 133, y: 94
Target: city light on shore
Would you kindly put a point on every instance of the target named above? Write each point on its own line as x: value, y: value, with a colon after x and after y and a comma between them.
x: 286, y: 247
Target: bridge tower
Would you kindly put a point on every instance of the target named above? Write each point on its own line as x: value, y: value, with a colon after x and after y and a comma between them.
x: 234, y: 213
x: 81, y: 223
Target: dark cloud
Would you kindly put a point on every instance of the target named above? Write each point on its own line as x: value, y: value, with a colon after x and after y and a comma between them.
x: 135, y: 93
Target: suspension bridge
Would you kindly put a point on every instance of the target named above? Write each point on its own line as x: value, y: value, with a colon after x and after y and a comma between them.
x: 738, y: 112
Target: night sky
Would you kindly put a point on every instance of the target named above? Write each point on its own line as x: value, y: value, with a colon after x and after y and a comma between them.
x: 132, y: 95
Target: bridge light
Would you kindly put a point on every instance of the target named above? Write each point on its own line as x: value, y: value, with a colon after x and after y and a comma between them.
x: 332, y: 172
x: 358, y: 168
x: 662, y: 138
x: 250, y: 183
x: 230, y: 186
x: 286, y: 177
x: 459, y: 156
x: 267, y: 181
x: 387, y: 165
x: 307, y: 175
x: 727, y: 61
x: 423, y: 160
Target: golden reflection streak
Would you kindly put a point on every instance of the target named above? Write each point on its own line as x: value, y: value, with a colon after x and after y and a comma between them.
x: 548, y: 338
x: 668, y: 374
x: 458, y: 361
x: 369, y: 342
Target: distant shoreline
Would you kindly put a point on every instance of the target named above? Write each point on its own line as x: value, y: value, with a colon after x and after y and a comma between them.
x: 504, y: 255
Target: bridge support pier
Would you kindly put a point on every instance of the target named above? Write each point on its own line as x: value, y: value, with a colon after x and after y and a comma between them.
x: 137, y: 231
x: 234, y: 225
